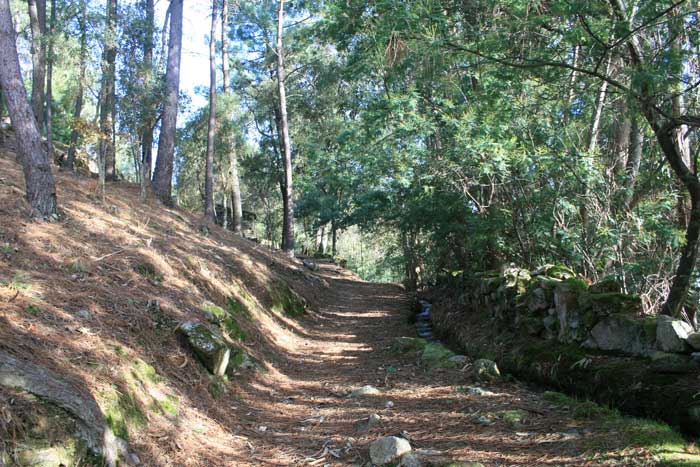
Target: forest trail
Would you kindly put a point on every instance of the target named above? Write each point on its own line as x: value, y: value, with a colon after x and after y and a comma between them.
x: 303, y: 416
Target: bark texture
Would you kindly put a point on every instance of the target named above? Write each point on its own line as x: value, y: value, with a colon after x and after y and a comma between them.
x: 107, y: 94
x: 233, y: 178
x: 74, y: 135
x: 162, y: 179
x: 211, y: 131
x: 40, y: 186
x: 37, y: 23
x: 288, y: 200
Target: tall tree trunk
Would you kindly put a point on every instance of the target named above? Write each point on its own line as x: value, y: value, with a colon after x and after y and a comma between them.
x: 634, y: 160
x: 235, y: 184
x: 211, y: 132
x: 148, y: 119
x: 70, y: 162
x: 162, y: 179
x: 598, y: 111
x: 49, y: 83
x: 225, y: 65
x: 40, y: 187
x: 37, y: 22
x: 288, y: 221
x: 107, y: 94
x: 622, y: 137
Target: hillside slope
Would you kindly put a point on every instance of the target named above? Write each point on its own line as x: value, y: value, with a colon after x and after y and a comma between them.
x: 97, y: 295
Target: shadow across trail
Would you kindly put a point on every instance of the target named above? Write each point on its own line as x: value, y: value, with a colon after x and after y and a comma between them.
x: 300, y: 413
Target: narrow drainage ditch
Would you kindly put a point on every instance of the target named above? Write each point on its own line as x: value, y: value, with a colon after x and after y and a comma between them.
x: 424, y: 326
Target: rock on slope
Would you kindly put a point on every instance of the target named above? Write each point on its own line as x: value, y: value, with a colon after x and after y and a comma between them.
x: 96, y: 298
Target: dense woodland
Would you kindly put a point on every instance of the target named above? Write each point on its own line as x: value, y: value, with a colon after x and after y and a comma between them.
x: 421, y: 141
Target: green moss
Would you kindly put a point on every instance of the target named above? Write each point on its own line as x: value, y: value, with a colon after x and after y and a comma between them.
x: 404, y: 345
x: 667, y: 444
x: 149, y: 271
x: 217, y: 386
x: 144, y: 372
x: 286, y: 301
x: 236, y: 307
x: 225, y: 320
x: 513, y: 417
x: 122, y: 412
x: 169, y: 406
x: 576, y: 284
x: 77, y: 267
x: 437, y: 355
x: 649, y: 325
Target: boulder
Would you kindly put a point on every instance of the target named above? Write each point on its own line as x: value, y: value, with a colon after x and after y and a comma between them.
x: 622, y: 333
x: 693, y: 340
x: 364, y: 391
x: 486, y: 370
x: 387, y: 450
x: 671, y: 334
x: 437, y: 355
x: 558, y: 271
x: 368, y: 423
x: 568, y: 313
x: 664, y: 362
x: 538, y: 300
x: 210, y: 348
x: 411, y: 459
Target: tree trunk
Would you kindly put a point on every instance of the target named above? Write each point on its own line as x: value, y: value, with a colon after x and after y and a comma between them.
x: 107, y: 94
x: 70, y: 162
x: 225, y: 66
x: 598, y: 112
x: 49, y: 83
x: 288, y: 221
x: 237, y: 205
x: 235, y: 183
x: 37, y: 22
x: 162, y: 180
x: 149, y: 117
x: 622, y: 137
x: 40, y: 187
x: 334, y: 241
x: 634, y: 160
x: 211, y: 132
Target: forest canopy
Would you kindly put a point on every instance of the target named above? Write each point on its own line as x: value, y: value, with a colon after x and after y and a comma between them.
x: 421, y: 141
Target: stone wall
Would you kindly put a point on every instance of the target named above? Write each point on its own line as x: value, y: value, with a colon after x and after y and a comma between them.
x: 554, y: 304
x: 553, y: 327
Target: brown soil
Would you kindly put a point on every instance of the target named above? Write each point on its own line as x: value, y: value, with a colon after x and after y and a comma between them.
x: 110, y: 258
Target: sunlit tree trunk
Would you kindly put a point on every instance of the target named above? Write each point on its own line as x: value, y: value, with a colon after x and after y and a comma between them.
x: 162, y: 179
x: 107, y: 154
x: 233, y: 177
x: 37, y: 23
x: 49, y: 83
x: 40, y: 187
x: 211, y: 131
x: 288, y: 221
x: 148, y: 121
x: 70, y: 162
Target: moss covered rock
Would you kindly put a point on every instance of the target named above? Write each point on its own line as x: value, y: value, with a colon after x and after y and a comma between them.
x: 437, y: 355
x: 286, y: 301
x: 403, y: 345
x: 486, y: 370
x: 210, y: 348
x: 225, y: 318
x: 623, y: 333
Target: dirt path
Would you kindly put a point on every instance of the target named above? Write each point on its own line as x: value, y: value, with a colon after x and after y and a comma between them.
x: 301, y: 415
